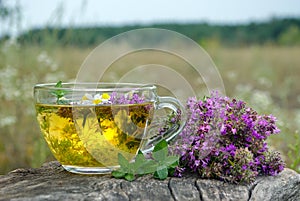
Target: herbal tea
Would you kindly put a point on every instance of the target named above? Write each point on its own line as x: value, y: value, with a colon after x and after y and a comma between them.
x: 89, y: 125
x: 93, y: 135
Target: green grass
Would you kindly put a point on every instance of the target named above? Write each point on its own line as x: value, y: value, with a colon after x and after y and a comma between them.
x: 266, y: 77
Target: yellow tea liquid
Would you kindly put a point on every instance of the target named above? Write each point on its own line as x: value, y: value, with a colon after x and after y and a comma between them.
x: 93, y: 135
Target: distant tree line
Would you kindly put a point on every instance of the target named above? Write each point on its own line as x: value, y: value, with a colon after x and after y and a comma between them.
x: 275, y: 31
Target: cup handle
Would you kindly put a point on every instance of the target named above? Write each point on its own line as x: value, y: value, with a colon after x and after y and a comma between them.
x: 168, y: 132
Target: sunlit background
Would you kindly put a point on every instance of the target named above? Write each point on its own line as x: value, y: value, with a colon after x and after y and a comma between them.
x: 254, y: 44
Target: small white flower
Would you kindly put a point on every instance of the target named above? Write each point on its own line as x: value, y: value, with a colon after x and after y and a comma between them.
x: 96, y: 99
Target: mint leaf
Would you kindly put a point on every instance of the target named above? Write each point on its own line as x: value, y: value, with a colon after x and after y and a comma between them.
x: 160, y: 166
x: 129, y: 177
x: 171, y: 161
x: 123, y: 162
x: 59, y: 93
x: 161, y: 172
x: 118, y: 174
x: 161, y: 145
x: 160, y: 151
x: 166, y: 164
x: 58, y: 84
x: 148, y: 167
x: 171, y: 171
x: 139, y: 159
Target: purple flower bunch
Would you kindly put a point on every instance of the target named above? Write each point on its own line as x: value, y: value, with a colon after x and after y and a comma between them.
x: 223, y: 139
x: 128, y: 98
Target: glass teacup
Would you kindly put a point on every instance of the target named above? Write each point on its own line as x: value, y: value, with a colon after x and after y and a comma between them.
x: 86, y: 125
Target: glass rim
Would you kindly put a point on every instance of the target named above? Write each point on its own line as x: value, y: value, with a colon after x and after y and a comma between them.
x: 95, y: 86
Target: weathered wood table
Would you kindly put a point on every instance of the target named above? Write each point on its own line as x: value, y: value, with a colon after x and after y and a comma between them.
x: 51, y: 182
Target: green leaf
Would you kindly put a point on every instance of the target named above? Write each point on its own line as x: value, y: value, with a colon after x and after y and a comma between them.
x: 148, y: 167
x: 123, y: 162
x: 171, y: 171
x: 139, y: 160
x: 160, y: 151
x: 171, y: 161
x: 129, y: 177
x: 58, y: 92
x: 118, y: 174
x: 161, y: 145
x: 162, y: 165
x: 58, y: 84
x: 161, y: 172
x: 231, y: 163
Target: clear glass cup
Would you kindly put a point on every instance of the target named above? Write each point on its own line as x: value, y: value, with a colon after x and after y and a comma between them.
x: 86, y: 125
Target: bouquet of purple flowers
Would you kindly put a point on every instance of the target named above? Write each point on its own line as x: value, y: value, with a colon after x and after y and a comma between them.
x: 224, y: 139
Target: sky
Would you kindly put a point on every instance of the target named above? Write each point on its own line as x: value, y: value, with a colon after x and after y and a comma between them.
x: 37, y: 13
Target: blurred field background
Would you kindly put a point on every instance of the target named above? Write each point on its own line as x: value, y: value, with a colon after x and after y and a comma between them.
x: 258, y: 61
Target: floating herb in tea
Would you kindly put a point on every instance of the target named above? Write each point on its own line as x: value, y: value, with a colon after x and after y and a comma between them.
x: 90, y: 135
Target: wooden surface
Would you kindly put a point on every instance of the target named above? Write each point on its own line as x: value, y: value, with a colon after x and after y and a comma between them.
x: 51, y: 182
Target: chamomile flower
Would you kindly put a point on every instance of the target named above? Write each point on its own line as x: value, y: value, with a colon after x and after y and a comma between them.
x: 96, y: 99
